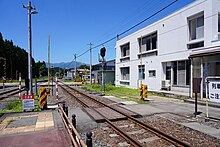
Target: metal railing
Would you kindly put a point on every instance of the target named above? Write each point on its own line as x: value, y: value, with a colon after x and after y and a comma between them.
x: 71, y: 128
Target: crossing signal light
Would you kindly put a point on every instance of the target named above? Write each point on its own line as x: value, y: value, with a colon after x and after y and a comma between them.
x: 102, y: 52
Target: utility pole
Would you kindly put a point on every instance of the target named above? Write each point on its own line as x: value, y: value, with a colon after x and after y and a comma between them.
x: 90, y: 69
x: 30, y: 12
x: 52, y: 80
x: 75, y: 64
x: 59, y: 72
x: 48, y: 61
x: 141, y: 61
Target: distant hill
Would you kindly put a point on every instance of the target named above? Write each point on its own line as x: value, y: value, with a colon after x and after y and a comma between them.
x: 66, y: 64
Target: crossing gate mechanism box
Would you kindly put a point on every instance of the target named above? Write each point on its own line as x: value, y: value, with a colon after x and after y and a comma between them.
x: 28, y: 102
x: 43, y: 97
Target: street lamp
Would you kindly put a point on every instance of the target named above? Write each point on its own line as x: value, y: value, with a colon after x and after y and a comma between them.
x: 30, y: 12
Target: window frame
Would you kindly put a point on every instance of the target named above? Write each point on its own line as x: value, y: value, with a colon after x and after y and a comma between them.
x: 125, y: 77
x: 219, y: 22
x: 124, y: 49
x: 195, y: 19
x: 147, y: 42
x: 177, y: 69
x: 154, y: 73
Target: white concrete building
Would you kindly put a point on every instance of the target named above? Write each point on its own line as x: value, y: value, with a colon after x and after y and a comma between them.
x: 173, y: 50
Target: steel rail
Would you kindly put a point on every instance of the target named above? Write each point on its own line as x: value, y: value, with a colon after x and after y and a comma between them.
x: 120, y: 131
x: 81, y: 102
x: 73, y: 128
x: 10, y: 93
x: 159, y: 133
x: 114, y: 127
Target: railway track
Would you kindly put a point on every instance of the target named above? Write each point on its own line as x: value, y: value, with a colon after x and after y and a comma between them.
x: 9, y: 93
x: 148, y: 132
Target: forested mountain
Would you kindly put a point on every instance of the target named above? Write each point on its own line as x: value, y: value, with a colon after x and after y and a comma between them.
x: 16, y: 61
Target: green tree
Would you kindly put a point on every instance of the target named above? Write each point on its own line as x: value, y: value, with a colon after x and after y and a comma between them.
x: 16, y: 59
x: 84, y: 66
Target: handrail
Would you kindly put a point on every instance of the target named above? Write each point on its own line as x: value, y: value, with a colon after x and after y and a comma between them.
x: 73, y: 128
x: 70, y: 134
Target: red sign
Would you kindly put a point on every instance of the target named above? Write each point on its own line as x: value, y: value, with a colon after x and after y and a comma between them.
x: 28, y: 96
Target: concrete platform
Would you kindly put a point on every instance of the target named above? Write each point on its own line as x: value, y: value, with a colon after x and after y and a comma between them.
x: 84, y: 123
x: 32, y: 129
x: 50, y: 138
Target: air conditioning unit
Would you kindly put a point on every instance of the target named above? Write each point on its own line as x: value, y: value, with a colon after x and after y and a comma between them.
x: 165, y: 85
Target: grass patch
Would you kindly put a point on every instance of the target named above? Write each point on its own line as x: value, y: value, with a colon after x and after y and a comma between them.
x: 37, y: 106
x: 14, y: 106
x: 67, y: 80
x: 120, y: 92
x: 9, y: 122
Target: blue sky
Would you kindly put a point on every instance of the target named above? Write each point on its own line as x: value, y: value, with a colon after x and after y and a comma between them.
x: 72, y: 24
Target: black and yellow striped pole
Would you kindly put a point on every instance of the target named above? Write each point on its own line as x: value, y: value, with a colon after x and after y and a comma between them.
x: 43, y: 97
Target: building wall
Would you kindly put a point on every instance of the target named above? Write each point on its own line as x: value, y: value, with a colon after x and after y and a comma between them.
x: 173, y: 38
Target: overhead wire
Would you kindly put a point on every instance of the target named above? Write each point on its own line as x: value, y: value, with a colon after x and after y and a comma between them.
x: 175, y: 29
x: 33, y: 3
x: 128, y: 19
x: 134, y: 26
x: 22, y: 2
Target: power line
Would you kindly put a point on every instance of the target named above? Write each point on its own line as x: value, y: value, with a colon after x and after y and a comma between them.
x: 101, y: 44
x: 148, y: 18
x: 129, y: 18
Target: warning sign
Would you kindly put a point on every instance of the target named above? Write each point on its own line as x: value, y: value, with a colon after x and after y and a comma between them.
x: 214, y: 91
x: 43, y: 97
x: 28, y: 102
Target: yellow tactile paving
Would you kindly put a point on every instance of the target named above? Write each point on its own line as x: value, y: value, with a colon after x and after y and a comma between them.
x: 44, y: 121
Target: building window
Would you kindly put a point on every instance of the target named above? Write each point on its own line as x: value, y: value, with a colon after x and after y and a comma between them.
x: 125, y: 73
x: 196, y: 45
x: 219, y: 23
x: 141, y: 71
x: 196, y: 27
x: 168, y: 72
x: 125, y: 50
x: 152, y: 73
x: 175, y: 73
x: 148, y: 43
x: 181, y: 73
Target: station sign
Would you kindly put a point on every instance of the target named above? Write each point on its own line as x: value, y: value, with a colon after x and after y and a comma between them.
x: 214, y: 91
x: 28, y: 102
